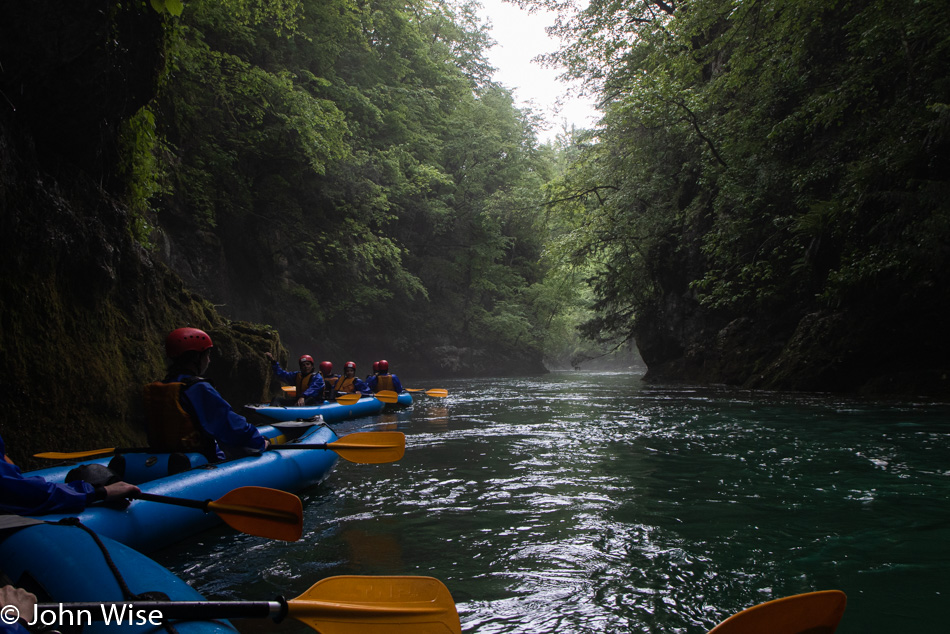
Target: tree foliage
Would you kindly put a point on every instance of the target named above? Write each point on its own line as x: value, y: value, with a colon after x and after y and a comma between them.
x: 349, y: 172
x: 759, y: 159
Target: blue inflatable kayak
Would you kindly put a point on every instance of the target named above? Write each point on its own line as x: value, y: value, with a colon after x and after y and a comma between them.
x: 147, y: 526
x: 139, y: 466
x: 330, y: 412
x: 64, y: 564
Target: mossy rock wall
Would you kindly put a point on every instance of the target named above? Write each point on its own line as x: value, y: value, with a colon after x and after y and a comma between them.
x: 84, y: 312
x: 84, y: 308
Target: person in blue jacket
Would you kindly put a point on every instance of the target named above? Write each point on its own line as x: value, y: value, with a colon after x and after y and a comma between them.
x: 375, y: 372
x: 183, y: 411
x: 36, y: 496
x: 384, y: 380
x: 309, y: 384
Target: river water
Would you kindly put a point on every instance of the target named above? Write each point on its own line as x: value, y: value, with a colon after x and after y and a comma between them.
x: 578, y: 502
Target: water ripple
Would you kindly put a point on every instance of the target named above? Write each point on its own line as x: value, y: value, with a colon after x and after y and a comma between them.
x: 581, y: 503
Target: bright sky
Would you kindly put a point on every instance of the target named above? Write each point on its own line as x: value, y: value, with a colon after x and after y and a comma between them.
x: 520, y: 38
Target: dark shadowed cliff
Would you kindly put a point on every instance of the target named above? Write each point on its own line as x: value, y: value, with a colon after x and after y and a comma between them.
x: 83, y: 307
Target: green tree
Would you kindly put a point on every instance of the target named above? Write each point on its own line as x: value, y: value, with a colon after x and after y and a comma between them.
x: 349, y: 173
x: 761, y: 162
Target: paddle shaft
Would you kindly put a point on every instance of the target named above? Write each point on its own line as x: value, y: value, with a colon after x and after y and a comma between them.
x: 373, y: 447
x: 184, y: 610
x: 205, y: 610
x: 336, y: 604
x: 356, y: 449
x: 166, y: 499
x: 217, y: 507
x: 436, y: 392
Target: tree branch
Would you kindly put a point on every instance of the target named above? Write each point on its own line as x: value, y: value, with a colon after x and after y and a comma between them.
x: 694, y: 121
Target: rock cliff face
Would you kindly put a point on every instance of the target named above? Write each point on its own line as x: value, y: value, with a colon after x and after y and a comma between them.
x: 84, y: 308
x: 901, y: 349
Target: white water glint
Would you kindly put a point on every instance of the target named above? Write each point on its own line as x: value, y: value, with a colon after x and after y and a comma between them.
x: 582, y: 503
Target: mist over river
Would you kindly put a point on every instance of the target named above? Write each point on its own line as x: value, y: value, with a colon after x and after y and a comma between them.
x: 592, y: 502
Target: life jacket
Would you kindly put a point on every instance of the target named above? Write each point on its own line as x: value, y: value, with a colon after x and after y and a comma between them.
x: 168, y: 425
x: 303, y: 382
x: 345, y: 385
x: 385, y: 382
x: 328, y: 383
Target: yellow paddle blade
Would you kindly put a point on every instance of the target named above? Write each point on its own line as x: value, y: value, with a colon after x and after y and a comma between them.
x: 348, y: 399
x: 811, y: 613
x: 371, y: 447
x: 262, y: 512
x: 437, y: 392
x: 387, y: 396
x: 289, y: 390
x: 382, y: 605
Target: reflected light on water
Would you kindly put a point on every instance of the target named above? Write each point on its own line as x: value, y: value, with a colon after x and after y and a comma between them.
x: 581, y: 503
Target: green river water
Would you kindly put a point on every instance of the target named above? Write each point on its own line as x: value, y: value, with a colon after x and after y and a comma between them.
x: 580, y: 502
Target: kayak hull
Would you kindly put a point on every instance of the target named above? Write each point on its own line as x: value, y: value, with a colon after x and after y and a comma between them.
x: 138, y: 467
x: 63, y: 564
x: 405, y: 400
x: 331, y: 412
x: 148, y: 526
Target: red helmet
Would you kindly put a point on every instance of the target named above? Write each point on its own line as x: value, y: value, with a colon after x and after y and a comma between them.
x: 348, y: 365
x: 182, y: 340
x: 326, y: 367
x: 384, y: 366
x: 305, y: 357
x: 375, y: 367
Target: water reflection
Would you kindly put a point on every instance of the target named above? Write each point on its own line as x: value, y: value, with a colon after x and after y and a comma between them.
x: 592, y: 503
x: 366, y: 547
x: 435, y: 417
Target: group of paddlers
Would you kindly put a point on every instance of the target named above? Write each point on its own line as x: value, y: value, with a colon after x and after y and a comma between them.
x: 313, y: 386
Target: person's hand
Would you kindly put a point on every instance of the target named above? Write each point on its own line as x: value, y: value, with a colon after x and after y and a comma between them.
x: 269, y: 356
x: 266, y: 443
x: 18, y: 598
x: 120, y: 490
x: 300, y: 402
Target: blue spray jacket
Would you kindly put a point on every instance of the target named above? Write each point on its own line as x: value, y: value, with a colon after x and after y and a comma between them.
x: 15, y: 628
x: 314, y: 390
x: 215, y: 415
x: 36, y: 496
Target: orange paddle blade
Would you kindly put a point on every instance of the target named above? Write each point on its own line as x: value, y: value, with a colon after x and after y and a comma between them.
x: 437, y: 392
x: 289, y: 390
x: 348, y: 399
x: 387, y: 396
x: 356, y: 605
x: 811, y: 613
x: 371, y: 447
x: 262, y: 512
x: 55, y: 455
